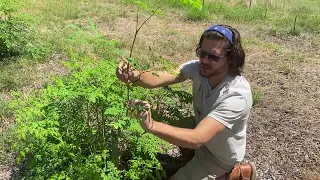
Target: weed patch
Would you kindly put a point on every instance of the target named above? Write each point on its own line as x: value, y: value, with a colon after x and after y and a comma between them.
x: 198, y: 14
x: 256, y: 97
x: 6, y: 133
x: 4, y: 108
x: 6, y: 150
x: 239, y: 13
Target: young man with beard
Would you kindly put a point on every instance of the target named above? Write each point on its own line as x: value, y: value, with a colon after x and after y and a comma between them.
x: 222, y: 102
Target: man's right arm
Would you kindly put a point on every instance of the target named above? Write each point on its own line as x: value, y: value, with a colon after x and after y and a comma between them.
x: 149, y: 79
x: 160, y: 79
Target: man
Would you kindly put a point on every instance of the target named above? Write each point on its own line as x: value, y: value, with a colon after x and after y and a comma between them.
x: 222, y: 102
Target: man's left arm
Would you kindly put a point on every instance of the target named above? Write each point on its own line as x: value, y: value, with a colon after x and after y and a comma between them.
x: 231, y: 110
x: 225, y: 115
x: 188, y: 138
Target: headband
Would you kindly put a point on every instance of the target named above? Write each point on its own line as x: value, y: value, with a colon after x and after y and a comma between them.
x: 223, y: 31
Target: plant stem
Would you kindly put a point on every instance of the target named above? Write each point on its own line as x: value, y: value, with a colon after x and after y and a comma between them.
x: 134, y: 40
x: 88, y: 115
x: 137, y: 30
x: 265, y: 13
x: 135, y: 34
x: 295, y: 21
x: 103, y: 129
x: 115, y: 150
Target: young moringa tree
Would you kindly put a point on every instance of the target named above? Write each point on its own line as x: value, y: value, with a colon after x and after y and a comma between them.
x: 78, y: 126
x: 196, y: 4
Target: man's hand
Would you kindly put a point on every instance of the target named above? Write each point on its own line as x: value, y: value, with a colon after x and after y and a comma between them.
x: 141, y: 109
x: 127, y: 75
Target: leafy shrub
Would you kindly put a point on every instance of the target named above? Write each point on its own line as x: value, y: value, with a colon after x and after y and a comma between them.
x: 17, y: 35
x: 14, y: 29
x: 13, y: 37
x: 78, y: 126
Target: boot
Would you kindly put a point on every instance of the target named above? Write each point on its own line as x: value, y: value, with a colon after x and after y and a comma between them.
x: 243, y: 172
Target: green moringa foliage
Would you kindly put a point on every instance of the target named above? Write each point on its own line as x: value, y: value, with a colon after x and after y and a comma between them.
x: 145, y: 5
x: 196, y: 4
x: 77, y: 127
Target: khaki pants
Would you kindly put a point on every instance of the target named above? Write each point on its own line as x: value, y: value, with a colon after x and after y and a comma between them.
x: 193, y: 170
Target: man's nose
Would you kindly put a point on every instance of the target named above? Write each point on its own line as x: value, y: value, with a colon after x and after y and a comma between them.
x: 205, y: 59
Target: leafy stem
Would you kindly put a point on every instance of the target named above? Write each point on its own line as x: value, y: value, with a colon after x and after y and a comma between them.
x: 138, y: 29
x: 134, y: 40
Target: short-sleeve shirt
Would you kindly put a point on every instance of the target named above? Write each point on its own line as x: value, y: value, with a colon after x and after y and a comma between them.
x: 229, y: 103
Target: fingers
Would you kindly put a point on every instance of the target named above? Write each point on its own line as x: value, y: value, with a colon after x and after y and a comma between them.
x: 124, y: 66
x: 140, y: 103
x: 139, y: 108
x: 143, y: 114
x: 123, y: 73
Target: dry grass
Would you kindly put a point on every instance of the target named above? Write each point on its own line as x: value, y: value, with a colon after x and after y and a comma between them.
x: 284, y: 129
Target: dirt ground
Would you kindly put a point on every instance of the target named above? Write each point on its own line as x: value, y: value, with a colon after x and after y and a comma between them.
x: 284, y: 128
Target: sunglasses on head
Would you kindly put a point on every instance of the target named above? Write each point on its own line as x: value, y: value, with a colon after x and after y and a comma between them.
x: 202, y: 54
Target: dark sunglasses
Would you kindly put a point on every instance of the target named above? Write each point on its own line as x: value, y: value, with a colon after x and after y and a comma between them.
x: 202, y: 54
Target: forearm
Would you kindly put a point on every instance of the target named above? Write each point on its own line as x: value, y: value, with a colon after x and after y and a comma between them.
x: 182, y: 137
x: 158, y: 79
x: 150, y: 80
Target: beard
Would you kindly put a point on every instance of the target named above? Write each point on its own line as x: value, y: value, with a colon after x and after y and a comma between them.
x: 207, y: 72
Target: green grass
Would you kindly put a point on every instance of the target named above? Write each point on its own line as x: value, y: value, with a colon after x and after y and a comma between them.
x: 9, y: 79
x: 279, y: 17
x: 198, y: 15
x: 256, y: 97
x: 17, y: 74
x: 237, y: 12
x: 6, y: 151
x: 4, y: 108
x: 5, y: 137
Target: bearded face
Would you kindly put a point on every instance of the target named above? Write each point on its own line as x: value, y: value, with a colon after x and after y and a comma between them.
x: 212, y: 57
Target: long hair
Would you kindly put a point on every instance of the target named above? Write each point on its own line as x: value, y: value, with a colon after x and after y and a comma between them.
x: 236, y: 55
